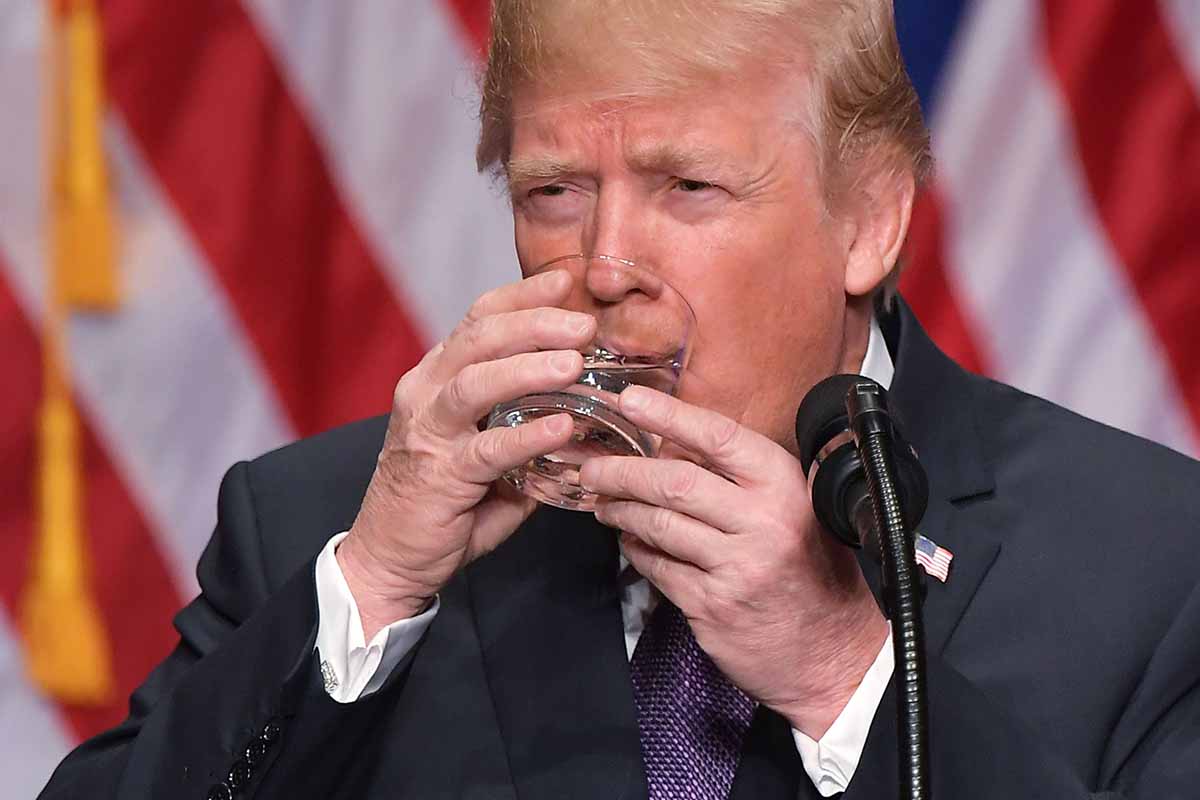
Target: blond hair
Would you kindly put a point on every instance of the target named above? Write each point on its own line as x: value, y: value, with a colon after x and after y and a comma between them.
x: 862, y: 105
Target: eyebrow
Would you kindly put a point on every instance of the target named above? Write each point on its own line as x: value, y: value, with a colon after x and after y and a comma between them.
x: 696, y: 161
x: 667, y: 157
x: 660, y: 158
x: 538, y: 168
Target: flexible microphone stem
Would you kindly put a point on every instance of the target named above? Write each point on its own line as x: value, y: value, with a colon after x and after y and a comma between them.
x: 872, y: 431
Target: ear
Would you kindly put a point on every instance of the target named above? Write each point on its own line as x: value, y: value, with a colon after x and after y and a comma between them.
x: 881, y: 207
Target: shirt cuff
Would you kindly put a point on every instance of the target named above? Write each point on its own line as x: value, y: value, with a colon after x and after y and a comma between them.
x: 831, y: 762
x: 350, y: 666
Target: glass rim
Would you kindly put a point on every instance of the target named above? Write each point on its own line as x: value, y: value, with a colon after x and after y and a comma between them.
x: 628, y: 263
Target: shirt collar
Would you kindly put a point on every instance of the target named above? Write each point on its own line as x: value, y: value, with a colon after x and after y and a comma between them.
x: 877, y: 363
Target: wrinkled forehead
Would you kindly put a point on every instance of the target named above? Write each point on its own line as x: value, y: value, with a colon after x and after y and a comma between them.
x: 615, y: 52
x: 719, y: 126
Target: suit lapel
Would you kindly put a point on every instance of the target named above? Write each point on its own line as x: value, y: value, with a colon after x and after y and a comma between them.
x: 549, y: 623
x: 933, y: 401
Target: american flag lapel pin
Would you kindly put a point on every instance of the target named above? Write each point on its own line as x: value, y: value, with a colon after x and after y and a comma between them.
x: 934, y: 558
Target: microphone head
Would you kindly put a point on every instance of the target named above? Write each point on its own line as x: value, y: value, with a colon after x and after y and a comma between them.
x: 822, y: 415
x: 840, y: 485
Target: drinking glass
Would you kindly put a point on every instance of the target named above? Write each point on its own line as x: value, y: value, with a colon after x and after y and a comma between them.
x: 643, y: 337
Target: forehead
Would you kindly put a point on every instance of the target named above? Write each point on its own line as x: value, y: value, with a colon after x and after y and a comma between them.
x: 731, y: 120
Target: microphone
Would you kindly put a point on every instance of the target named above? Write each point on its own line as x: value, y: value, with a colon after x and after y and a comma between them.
x: 867, y: 487
x: 841, y: 499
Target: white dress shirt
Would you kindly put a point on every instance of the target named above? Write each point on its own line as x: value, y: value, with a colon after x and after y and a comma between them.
x: 352, y: 667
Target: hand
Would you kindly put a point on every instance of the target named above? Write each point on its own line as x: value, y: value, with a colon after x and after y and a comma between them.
x: 782, y: 609
x: 435, y: 502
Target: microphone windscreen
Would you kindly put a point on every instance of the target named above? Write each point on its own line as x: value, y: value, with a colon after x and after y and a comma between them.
x: 822, y: 415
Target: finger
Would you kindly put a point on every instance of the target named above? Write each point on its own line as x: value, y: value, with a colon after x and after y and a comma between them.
x: 678, y: 535
x: 679, y: 581
x: 502, y: 335
x: 544, y: 289
x: 491, y: 453
x: 730, y: 448
x: 471, y: 393
x: 677, y: 485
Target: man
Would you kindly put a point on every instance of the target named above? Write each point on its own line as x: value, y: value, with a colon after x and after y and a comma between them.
x: 762, y: 155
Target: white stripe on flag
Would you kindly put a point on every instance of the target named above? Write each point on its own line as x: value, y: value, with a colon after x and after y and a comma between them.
x: 395, y: 114
x: 1183, y: 24
x: 33, y: 738
x: 1027, y: 257
x: 173, y: 389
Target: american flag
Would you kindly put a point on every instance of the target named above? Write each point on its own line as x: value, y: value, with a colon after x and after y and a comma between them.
x: 934, y: 558
x: 298, y: 218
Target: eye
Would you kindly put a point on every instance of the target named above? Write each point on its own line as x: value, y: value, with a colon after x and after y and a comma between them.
x: 552, y: 203
x: 550, y: 190
x: 689, y: 185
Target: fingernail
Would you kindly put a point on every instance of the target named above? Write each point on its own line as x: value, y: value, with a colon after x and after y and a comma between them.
x: 565, y: 363
x: 585, y: 477
x: 559, y: 424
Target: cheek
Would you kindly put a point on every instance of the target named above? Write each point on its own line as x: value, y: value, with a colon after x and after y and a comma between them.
x: 765, y: 335
x: 537, y: 244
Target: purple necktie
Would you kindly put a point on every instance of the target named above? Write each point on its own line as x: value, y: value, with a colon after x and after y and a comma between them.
x: 692, y: 719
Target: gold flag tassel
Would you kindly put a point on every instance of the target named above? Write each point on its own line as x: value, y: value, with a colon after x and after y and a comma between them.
x: 67, y: 647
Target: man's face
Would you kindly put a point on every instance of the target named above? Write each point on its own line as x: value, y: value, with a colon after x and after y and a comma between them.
x: 716, y: 192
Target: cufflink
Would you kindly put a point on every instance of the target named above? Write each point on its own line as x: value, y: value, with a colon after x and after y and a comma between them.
x: 328, y: 677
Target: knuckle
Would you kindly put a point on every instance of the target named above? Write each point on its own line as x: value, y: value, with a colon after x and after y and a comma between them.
x: 402, y: 392
x: 723, y: 436
x: 478, y: 309
x: 680, y: 483
x: 477, y: 331
x: 431, y: 356
x: 461, y: 387
x: 670, y: 416
x: 461, y: 330
x: 656, y: 565
x: 474, y: 332
x: 664, y: 522
x: 488, y: 450
x: 426, y: 366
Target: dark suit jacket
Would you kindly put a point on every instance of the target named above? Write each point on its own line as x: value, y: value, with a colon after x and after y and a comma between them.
x: 1064, y: 652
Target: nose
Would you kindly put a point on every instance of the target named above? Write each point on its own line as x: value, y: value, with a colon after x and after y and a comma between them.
x: 611, y: 280
x: 618, y: 222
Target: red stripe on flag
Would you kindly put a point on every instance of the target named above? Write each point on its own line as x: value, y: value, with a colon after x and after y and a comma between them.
x: 926, y: 287
x: 212, y: 114
x: 21, y: 357
x: 475, y: 18
x: 135, y: 591
x: 1136, y: 122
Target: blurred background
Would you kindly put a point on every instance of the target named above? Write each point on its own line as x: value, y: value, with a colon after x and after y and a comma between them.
x: 225, y: 225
